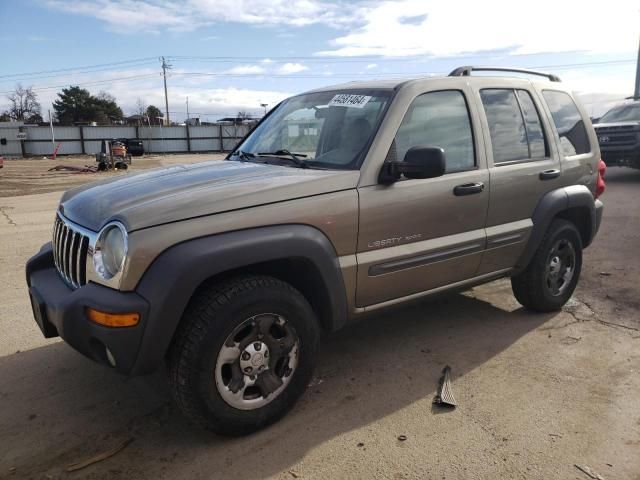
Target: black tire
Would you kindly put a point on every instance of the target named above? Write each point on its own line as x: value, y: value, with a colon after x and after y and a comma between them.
x: 211, y: 317
x: 532, y: 288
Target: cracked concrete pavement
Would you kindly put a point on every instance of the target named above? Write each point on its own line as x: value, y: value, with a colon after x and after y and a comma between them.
x: 537, y: 393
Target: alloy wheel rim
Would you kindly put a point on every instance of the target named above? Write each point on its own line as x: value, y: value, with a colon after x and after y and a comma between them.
x: 560, y: 267
x: 257, y: 361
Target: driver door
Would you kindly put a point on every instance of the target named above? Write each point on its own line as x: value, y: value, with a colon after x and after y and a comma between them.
x: 421, y: 234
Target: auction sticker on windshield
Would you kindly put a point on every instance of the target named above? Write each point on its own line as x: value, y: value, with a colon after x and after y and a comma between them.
x: 348, y: 100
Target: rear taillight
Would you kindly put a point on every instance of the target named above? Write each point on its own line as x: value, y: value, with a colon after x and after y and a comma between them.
x: 600, y: 185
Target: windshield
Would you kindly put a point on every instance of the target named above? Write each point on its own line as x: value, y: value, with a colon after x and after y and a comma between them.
x: 622, y: 113
x: 324, y: 129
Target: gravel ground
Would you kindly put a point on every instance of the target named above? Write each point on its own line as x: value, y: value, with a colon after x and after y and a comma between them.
x: 537, y: 393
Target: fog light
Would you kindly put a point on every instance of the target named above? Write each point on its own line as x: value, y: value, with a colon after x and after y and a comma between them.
x: 113, y: 319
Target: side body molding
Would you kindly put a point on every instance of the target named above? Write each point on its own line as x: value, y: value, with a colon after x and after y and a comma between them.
x: 552, y: 204
x: 174, y: 276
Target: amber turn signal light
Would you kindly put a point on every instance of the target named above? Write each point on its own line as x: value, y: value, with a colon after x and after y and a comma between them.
x: 113, y: 319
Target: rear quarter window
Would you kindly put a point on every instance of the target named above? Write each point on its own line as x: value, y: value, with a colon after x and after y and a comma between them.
x: 568, y: 122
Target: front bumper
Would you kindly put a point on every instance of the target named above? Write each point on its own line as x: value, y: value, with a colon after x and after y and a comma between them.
x: 60, y: 310
x: 620, y: 155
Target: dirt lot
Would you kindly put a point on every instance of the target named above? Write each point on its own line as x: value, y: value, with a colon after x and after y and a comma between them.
x: 537, y: 393
x: 28, y: 177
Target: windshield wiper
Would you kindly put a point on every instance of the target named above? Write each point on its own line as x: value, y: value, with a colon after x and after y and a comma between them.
x: 244, y: 156
x: 287, y: 155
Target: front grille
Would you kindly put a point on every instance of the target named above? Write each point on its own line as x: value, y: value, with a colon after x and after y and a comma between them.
x: 616, y: 140
x: 70, y: 249
x: 624, y: 138
x: 616, y: 128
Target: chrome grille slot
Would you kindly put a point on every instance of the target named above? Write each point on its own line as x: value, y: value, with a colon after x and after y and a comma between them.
x: 70, y: 247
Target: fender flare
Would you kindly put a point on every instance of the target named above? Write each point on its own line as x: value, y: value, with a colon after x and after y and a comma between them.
x: 549, y: 207
x: 173, y: 277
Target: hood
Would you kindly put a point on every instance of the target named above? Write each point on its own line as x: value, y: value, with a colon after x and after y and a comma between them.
x: 186, y: 191
x: 631, y: 125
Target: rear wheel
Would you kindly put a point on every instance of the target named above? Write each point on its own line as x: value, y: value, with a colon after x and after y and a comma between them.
x: 553, y: 273
x: 243, y: 355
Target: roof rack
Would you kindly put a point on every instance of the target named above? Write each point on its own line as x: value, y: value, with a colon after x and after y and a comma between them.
x: 466, y: 72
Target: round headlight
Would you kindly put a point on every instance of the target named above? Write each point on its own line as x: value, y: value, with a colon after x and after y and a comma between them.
x: 110, y: 250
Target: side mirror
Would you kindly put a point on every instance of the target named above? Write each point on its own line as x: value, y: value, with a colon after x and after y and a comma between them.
x: 419, y: 162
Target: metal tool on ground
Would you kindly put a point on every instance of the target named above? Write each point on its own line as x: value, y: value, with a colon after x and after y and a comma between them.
x: 74, y: 169
x: 445, y: 396
x: 589, y: 472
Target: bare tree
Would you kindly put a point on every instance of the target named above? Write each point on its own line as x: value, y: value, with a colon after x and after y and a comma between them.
x: 243, y: 115
x: 24, y: 104
x: 141, y: 107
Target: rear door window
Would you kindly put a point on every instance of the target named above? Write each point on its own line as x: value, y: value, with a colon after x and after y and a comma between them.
x: 516, y: 131
x: 566, y: 117
x: 535, y: 133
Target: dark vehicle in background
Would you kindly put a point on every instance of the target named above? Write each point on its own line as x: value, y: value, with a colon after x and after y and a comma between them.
x: 134, y: 146
x: 618, y: 133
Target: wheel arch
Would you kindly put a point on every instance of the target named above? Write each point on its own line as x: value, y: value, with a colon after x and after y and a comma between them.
x: 575, y: 204
x: 297, y: 254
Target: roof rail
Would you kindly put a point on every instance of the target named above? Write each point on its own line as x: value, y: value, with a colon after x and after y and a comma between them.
x: 466, y: 72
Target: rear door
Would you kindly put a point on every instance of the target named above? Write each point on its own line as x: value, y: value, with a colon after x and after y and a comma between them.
x: 575, y: 136
x: 523, y: 165
x: 420, y: 234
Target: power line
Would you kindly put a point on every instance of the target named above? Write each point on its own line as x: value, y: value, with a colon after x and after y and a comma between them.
x: 83, y: 84
x: 75, y: 68
x: 73, y: 73
x: 266, y: 61
x: 380, y: 74
x: 283, y: 75
x: 145, y: 61
x: 321, y: 58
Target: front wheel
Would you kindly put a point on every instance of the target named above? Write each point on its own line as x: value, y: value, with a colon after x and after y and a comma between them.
x: 552, y: 275
x: 243, y: 355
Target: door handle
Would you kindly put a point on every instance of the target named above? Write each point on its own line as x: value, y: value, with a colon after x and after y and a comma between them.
x: 468, y: 189
x: 549, y: 174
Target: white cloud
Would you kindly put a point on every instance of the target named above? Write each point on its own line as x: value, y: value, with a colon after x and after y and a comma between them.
x: 289, y: 68
x: 371, y: 65
x: 130, y: 16
x: 420, y: 27
x: 246, y: 69
x: 153, y: 15
x: 394, y: 27
x: 231, y: 98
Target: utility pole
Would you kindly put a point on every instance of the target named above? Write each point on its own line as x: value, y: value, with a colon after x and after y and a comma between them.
x: 53, y: 138
x: 187, y: 107
x: 165, y: 67
x: 264, y: 105
x: 636, y: 92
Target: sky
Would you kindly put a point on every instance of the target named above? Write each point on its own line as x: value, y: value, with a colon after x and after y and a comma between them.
x: 234, y: 55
